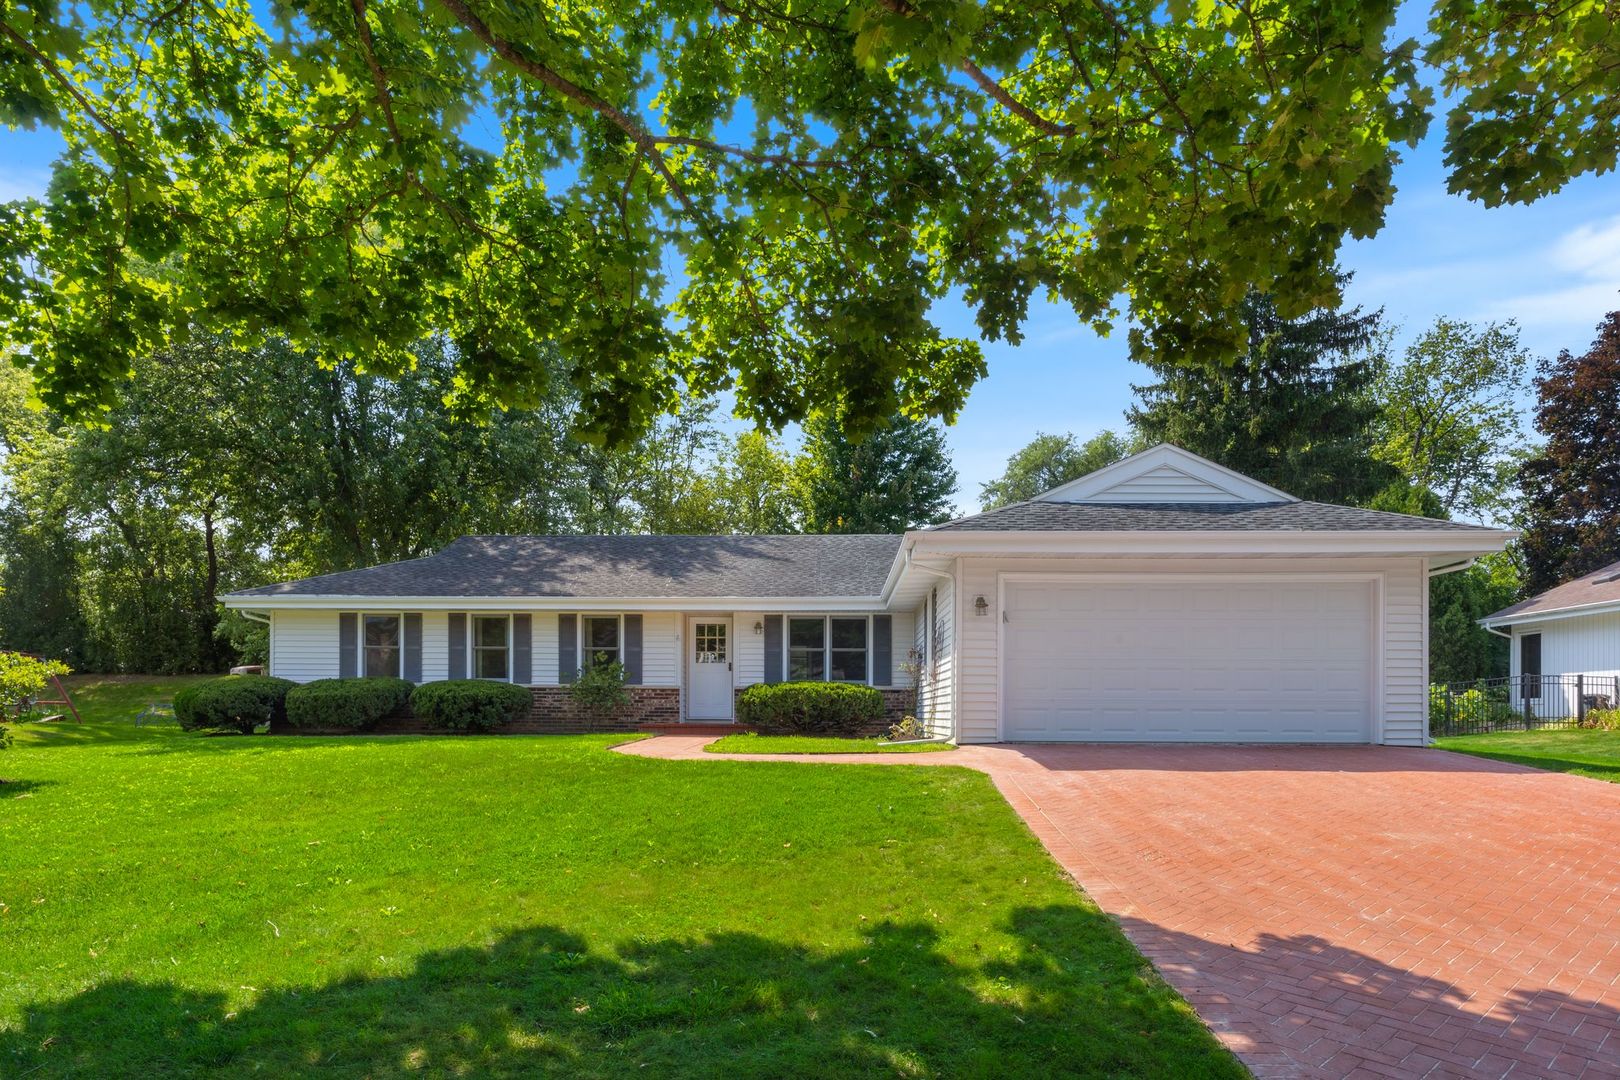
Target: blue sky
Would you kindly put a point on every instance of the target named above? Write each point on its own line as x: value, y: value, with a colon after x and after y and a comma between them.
x: 1554, y: 266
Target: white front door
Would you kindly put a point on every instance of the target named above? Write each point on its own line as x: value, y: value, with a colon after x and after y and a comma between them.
x: 708, y: 668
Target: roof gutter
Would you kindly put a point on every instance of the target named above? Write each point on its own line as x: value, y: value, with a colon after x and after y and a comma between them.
x: 1599, y: 607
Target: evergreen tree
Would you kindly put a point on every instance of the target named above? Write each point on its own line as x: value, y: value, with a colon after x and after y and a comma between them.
x: 1295, y: 410
x: 896, y: 478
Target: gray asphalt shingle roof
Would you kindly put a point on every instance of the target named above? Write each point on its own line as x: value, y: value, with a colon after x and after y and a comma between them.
x: 1040, y: 516
x: 609, y: 566
x: 1601, y: 586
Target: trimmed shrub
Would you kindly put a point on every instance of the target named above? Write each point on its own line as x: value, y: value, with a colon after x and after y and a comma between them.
x: 233, y: 703
x: 350, y: 704
x: 470, y: 704
x: 601, y: 690
x: 810, y: 708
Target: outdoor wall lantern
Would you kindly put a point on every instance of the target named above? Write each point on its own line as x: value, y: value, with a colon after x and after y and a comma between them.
x: 759, y: 628
x: 981, y: 606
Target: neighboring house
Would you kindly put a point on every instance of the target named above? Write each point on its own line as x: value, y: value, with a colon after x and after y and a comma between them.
x: 1568, y: 631
x: 1163, y: 598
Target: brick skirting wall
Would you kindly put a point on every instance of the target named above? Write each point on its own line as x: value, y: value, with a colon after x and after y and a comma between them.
x: 553, y: 713
x: 896, y: 703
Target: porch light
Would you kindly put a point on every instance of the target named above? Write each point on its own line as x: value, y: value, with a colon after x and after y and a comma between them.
x: 981, y: 606
x: 759, y: 628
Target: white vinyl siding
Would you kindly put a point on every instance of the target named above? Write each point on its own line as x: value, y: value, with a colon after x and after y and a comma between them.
x: 543, y: 634
x: 435, y: 646
x: 1586, y: 645
x: 748, y: 648
x: 938, y: 679
x: 1164, y: 484
x: 660, y: 648
x: 304, y: 645
x: 1401, y: 624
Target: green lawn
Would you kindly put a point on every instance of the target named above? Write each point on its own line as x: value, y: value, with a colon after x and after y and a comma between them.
x: 1584, y: 753
x: 749, y: 742
x: 180, y: 905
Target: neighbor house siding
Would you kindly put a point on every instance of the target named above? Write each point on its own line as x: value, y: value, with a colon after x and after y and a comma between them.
x: 304, y: 645
x: 1402, y: 697
x: 1579, y: 645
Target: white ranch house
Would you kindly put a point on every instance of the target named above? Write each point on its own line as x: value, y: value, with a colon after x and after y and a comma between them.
x: 1163, y: 598
x: 1566, y: 643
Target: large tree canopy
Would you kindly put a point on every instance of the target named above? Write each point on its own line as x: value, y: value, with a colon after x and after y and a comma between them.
x: 763, y: 196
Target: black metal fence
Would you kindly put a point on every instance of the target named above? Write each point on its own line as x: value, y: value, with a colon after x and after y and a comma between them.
x: 1519, y: 703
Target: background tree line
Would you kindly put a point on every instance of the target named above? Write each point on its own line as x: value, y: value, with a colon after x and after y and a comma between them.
x: 220, y: 468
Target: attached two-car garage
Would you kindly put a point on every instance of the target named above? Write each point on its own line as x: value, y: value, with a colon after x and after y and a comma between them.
x: 1273, y: 658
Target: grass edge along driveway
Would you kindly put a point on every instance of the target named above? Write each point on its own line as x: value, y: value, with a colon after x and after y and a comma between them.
x: 1590, y: 753
x: 194, y: 906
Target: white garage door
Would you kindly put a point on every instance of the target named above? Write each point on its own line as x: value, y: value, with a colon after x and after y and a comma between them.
x: 1188, y: 661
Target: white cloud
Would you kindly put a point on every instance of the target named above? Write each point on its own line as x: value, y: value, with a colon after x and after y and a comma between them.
x: 1592, y: 251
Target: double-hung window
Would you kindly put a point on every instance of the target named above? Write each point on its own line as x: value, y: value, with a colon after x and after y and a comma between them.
x: 491, y: 647
x: 382, y: 637
x: 600, y: 639
x: 828, y: 648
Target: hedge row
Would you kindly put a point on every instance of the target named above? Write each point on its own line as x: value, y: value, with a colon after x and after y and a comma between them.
x: 810, y: 708
x: 243, y: 702
x: 350, y: 704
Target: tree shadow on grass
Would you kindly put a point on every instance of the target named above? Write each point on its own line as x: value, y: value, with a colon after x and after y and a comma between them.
x: 541, y: 1000
x: 15, y: 788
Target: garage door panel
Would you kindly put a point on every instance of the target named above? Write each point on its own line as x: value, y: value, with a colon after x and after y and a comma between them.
x: 1188, y: 661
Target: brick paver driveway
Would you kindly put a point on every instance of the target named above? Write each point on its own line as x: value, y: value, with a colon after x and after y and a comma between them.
x: 1363, y: 911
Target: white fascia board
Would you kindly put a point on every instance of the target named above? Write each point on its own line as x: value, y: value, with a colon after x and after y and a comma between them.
x: 310, y: 602
x: 1225, y: 542
x: 1602, y: 607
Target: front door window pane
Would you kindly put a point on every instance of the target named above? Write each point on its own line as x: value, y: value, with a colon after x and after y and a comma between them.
x: 382, y: 646
x: 709, y: 643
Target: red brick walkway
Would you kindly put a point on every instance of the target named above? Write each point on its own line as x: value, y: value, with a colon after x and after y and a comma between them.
x: 1361, y: 911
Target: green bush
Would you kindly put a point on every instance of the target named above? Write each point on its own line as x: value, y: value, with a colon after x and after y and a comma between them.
x: 810, y: 708
x: 470, y: 704
x: 233, y: 703
x: 600, y: 690
x: 351, y: 704
x: 1602, y: 719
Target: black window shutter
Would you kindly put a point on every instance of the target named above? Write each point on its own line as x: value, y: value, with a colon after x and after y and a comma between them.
x: 632, y: 649
x: 413, y: 646
x: 522, y: 650
x: 348, y: 645
x: 567, y: 648
x: 882, y: 650
x: 458, y: 645
x: 773, y: 648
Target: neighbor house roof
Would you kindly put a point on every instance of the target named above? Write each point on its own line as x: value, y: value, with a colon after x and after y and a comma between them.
x: 1599, y: 588
x: 1295, y: 516
x: 633, y: 566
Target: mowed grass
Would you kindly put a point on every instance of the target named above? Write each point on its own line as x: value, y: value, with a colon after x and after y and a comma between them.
x: 1582, y: 752
x: 181, y: 905
x: 751, y: 742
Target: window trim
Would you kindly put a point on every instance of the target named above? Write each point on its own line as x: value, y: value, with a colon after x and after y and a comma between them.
x: 582, y: 647
x: 360, y: 644
x: 1530, y: 685
x: 473, y: 646
x: 826, y: 646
